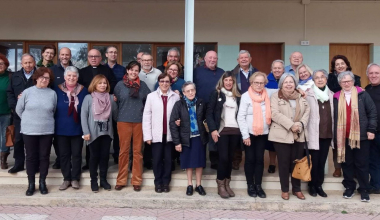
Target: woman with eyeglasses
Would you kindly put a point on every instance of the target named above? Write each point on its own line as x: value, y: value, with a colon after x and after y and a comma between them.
x: 36, y: 108
x: 156, y: 130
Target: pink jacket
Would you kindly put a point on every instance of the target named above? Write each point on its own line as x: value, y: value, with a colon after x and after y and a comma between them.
x: 153, y: 116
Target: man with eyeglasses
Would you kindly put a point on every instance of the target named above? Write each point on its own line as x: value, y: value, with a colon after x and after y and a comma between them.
x: 20, y: 81
x: 148, y: 73
x: 86, y: 75
x: 118, y: 70
x: 173, y: 55
x: 242, y: 72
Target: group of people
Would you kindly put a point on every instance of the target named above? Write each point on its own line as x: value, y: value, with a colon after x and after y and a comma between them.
x: 154, y: 117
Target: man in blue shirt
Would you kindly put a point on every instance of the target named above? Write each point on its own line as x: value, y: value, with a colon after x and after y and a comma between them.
x: 118, y: 70
x: 295, y: 59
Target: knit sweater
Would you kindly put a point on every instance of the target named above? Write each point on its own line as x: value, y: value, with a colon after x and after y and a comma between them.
x: 205, y: 80
x: 4, y: 82
x: 36, y: 108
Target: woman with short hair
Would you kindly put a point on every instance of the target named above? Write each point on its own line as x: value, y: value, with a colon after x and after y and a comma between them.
x: 48, y: 52
x: 5, y: 110
x: 304, y: 75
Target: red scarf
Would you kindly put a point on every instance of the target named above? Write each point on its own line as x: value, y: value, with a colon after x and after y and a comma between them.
x: 134, y: 86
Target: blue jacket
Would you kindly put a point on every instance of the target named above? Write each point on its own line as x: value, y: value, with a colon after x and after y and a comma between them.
x: 64, y: 123
x: 58, y: 72
x: 272, y: 83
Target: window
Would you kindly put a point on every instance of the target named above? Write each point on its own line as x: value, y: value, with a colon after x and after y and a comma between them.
x: 78, y: 53
x: 13, y: 51
x: 130, y: 51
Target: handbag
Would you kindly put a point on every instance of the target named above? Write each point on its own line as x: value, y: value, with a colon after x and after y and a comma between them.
x: 10, y: 136
x: 302, y: 169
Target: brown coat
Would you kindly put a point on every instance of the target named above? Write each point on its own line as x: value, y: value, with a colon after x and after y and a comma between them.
x: 282, y: 120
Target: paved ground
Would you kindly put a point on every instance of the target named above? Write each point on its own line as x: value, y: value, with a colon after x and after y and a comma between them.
x: 78, y: 213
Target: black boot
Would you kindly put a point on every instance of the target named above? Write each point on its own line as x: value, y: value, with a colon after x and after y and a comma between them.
x: 251, y: 190
x: 260, y: 192
x: 42, y: 186
x: 31, y: 186
x: 17, y: 167
x: 105, y: 185
x: 312, y: 191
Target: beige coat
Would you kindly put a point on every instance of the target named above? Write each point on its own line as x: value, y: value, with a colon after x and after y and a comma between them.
x: 313, y: 126
x: 282, y: 120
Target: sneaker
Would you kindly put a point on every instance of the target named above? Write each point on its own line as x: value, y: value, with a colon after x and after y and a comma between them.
x: 365, y: 197
x: 348, y: 193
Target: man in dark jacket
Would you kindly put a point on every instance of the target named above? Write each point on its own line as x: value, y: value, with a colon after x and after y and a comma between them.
x: 242, y: 72
x: 20, y: 81
x: 63, y: 62
x: 373, y: 89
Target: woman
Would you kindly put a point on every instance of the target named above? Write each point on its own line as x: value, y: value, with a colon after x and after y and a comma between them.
x: 221, y: 120
x: 290, y: 115
x: 36, y: 108
x: 174, y: 69
x: 130, y: 93
x: 98, y: 110
x: 5, y: 111
x: 254, y: 118
x: 68, y: 129
x: 320, y: 125
x: 355, y: 122
x: 339, y: 64
x: 48, y: 52
x: 158, y: 107
x: 190, y: 138
x: 304, y: 76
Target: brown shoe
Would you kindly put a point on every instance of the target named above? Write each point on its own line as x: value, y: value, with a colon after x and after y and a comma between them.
x: 222, y: 189
x: 285, y: 195
x: 4, y: 164
x: 337, y: 173
x: 136, y: 188
x: 119, y: 187
x: 228, y: 189
x: 299, y: 195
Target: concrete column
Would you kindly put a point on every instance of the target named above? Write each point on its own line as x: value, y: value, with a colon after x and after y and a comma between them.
x: 189, y: 39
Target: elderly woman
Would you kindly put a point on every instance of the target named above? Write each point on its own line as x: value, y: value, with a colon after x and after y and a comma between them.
x: 355, y: 122
x: 304, y: 76
x: 278, y: 68
x: 254, y: 119
x: 157, y: 111
x: 68, y: 129
x: 339, y: 64
x: 48, y: 52
x: 190, y: 138
x: 98, y: 110
x: 5, y: 111
x: 320, y: 125
x: 290, y: 115
x: 130, y: 93
x: 221, y: 120
x: 36, y: 108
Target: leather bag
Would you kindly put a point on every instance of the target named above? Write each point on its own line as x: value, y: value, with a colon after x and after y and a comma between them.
x: 10, y: 136
x: 302, y: 169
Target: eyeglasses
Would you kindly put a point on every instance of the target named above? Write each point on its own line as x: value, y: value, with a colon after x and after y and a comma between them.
x: 345, y: 82
x: 93, y: 57
x: 258, y: 83
x: 176, y: 71
x: 146, y: 60
x: 164, y: 81
x: 44, y: 78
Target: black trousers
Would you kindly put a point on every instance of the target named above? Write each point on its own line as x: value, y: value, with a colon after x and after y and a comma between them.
x: 357, y: 162
x: 37, y: 148
x: 99, y: 156
x: 214, y: 157
x: 254, y: 159
x: 162, y: 159
x: 147, y: 155
x: 19, y: 153
x: 70, y: 148
x: 286, y: 154
x: 116, y: 146
x: 318, y: 161
x: 226, y: 147
x: 56, y: 150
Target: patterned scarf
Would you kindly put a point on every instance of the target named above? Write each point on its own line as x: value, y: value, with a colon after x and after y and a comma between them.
x: 354, y: 137
x: 73, y: 99
x: 258, y: 122
x: 174, y: 80
x: 133, y: 85
x: 193, y: 115
x: 101, y: 106
x: 295, y: 95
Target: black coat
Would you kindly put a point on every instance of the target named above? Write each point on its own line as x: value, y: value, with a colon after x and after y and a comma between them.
x: 87, y: 74
x: 18, y: 83
x: 367, y: 115
x: 333, y: 84
x: 58, y: 72
x: 181, y: 134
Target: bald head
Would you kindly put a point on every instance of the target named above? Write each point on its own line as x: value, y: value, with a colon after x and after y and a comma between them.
x: 94, y: 57
x: 64, y: 56
x: 211, y: 59
x: 296, y: 59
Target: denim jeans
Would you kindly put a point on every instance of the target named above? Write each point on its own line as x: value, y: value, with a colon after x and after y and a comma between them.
x: 4, y: 122
x: 374, y: 162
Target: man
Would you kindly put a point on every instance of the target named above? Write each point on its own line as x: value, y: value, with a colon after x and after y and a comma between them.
x: 86, y: 75
x: 64, y: 61
x: 138, y: 57
x: 205, y: 78
x: 118, y: 70
x: 242, y: 72
x: 277, y: 71
x: 295, y: 59
x: 373, y: 89
x: 47, y: 54
x: 148, y: 73
x: 20, y: 81
x: 173, y: 55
